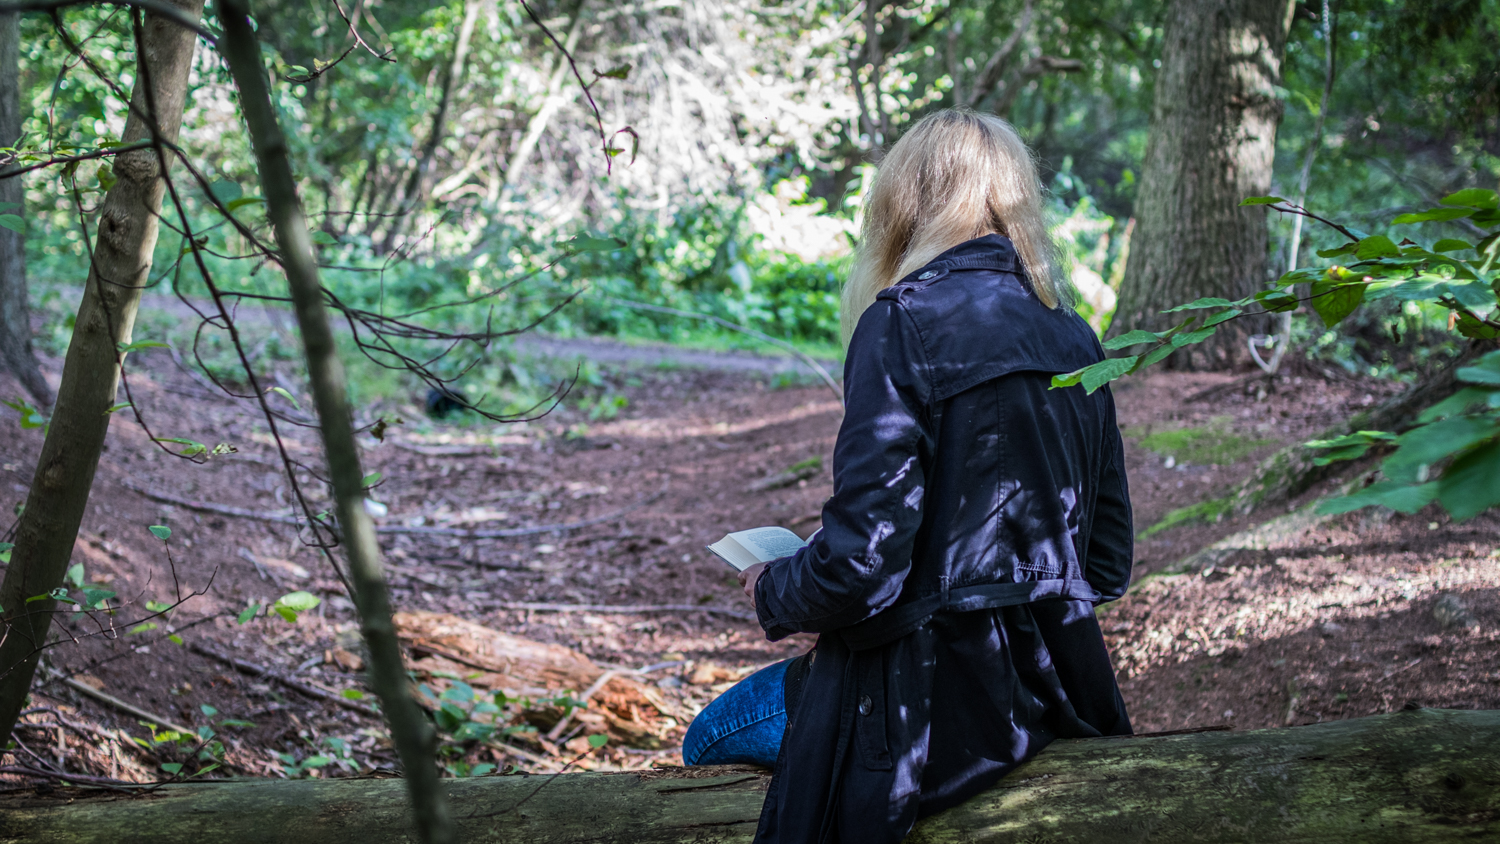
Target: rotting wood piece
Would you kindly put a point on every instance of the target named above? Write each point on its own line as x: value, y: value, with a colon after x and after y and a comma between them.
x: 1421, y: 776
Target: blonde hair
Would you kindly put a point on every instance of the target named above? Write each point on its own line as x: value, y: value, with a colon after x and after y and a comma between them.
x: 954, y: 176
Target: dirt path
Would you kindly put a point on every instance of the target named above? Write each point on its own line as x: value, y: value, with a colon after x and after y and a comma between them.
x: 1343, y: 620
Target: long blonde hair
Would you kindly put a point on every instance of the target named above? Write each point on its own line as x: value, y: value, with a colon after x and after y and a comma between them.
x: 954, y: 176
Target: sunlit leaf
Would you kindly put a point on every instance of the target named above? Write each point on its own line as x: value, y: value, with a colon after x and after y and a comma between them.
x: 1473, y: 198
x: 1333, y: 301
x: 13, y: 222
x: 1433, y: 215
x: 161, y: 532
x: 1262, y: 200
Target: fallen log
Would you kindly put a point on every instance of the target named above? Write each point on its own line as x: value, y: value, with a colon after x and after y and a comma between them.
x: 1412, y: 776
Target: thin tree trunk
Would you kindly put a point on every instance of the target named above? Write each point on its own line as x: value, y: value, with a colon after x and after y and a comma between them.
x: 413, y: 735
x: 1212, y: 143
x: 91, y: 372
x: 1405, y: 778
x: 15, y: 322
x: 415, y: 185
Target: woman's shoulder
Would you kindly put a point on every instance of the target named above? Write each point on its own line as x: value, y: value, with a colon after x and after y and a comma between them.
x: 982, y: 322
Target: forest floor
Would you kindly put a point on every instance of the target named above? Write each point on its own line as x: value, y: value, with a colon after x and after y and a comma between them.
x: 1354, y: 615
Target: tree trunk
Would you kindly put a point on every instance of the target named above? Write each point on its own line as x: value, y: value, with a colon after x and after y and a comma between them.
x: 70, y: 454
x: 15, y: 322
x: 1212, y: 143
x: 1427, y: 775
x: 413, y: 734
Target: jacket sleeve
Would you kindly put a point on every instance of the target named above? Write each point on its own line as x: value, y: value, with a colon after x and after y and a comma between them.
x: 1111, y: 547
x: 854, y: 567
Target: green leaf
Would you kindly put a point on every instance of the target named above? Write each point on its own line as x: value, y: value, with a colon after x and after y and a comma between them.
x: 1277, y: 301
x: 143, y: 627
x: 288, y: 605
x: 207, y: 710
x: 247, y: 613
x: 236, y: 204
x: 316, y: 761
x: 352, y: 694
x: 1471, y: 484
x: 299, y: 601
x: 597, y: 741
x: 1333, y: 301
x: 1132, y: 338
x: 1199, y: 304
x: 138, y: 345
x: 371, y: 479
x: 286, y: 394
x: 1458, y: 403
x: 1449, y: 244
x: 482, y: 769
x: 1223, y: 316
x: 1403, y: 498
x: 1433, y: 215
x: 175, y: 639
x: 1262, y: 200
x: 191, y: 448
x: 1376, y: 246
x: 75, y: 575
x: 589, y: 243
x: 235, y: 722
x: 117, y: 408
x: 1425, y: 445
x: 225, y: 190
x: 1191, y: 337
x: 619, y: 72
x: 323, y: 238
x: 1154, y: 356
x: 1473, y: 198
x: 173, y: 768
x: 1346, y: 249
x: 1102, y: 373
x: 1486, y: 370
x: 13, y: 222
x: 161, y: 532
x: 94, y: 598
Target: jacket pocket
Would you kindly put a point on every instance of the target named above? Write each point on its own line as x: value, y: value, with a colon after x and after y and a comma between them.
x: 870, y: 710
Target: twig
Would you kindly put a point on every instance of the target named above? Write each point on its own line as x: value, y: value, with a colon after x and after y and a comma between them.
x: 66, y: 159
x: 295, y: 685
x: 531, y: 531
x: 225, y: 510
x: 623, y: 609
x: 129, y: 709
x: 81, y: 779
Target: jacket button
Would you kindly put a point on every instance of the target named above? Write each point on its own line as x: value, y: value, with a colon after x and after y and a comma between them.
x: 865, y: 705
x: 926, y: 275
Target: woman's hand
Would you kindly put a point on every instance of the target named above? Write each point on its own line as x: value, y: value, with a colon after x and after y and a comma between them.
x: 748, y: 578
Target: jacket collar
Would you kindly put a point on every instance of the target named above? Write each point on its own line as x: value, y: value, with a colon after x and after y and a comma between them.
x: 991, y: 252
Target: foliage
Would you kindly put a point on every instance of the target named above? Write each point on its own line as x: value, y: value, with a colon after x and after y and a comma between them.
x: 1213, y: 445
x: 1452, y: 455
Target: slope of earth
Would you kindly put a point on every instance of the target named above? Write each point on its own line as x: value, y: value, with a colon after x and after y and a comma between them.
x: 1357, y: 615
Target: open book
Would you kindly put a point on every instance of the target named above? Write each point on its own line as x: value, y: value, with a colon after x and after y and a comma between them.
x: 743, y: 549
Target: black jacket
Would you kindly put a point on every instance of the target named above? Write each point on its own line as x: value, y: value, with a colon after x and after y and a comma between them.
x: 977, y: 515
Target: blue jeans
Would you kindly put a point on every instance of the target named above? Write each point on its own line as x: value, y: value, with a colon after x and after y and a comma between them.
x: 742, y: 726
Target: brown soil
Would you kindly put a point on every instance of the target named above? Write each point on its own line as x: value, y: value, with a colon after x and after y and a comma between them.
x: 1337, y: 624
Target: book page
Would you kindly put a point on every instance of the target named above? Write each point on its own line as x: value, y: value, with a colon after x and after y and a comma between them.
x: 769, y: 543
x: 731, y: 552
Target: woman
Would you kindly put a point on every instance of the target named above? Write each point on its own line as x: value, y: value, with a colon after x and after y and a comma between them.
x: 977, y: 517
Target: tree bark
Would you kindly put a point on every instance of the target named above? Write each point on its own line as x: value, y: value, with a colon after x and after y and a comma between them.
x: 413, y: 735
x: 121, y: 263
x: 1427, y: 775
x: 15, y: 320
x: 1212, y: 143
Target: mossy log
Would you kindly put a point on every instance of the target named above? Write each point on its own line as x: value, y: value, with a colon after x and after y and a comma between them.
x: 1425, y: 775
